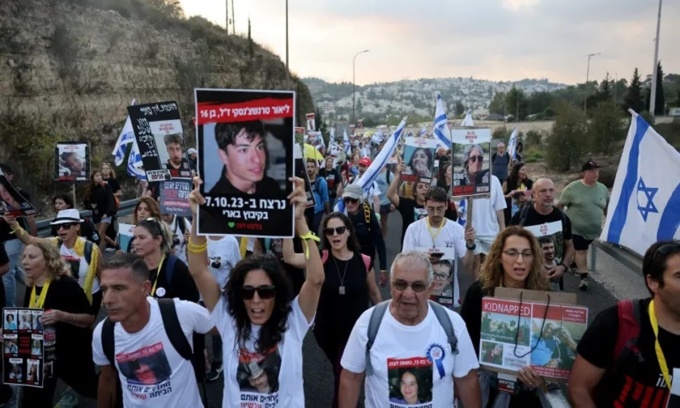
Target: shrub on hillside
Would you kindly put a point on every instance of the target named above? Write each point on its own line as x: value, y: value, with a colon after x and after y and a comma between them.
x: 606, y: 127
x: 569, y: 138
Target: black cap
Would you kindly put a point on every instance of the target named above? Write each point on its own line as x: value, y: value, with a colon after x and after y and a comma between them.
x: 6, y: 169
x: 589, y: 165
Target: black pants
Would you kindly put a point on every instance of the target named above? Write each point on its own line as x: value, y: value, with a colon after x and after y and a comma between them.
x: 333, y: 346
x: 79, y: 374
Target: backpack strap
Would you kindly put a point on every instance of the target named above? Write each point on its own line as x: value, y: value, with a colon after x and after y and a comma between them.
x: 523, y: 215
x: 88, y: 252
x: 170, y: 268
x: 628, y: 333
x: 373, y: 325
x: 173, y: 328
x: 445, y: 322
x: 179, y: 220
x: 108, y: 343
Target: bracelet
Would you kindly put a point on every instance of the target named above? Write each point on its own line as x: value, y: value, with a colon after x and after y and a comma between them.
x: 309, y: 236
x: 18, y: 231
x: 196, y: 248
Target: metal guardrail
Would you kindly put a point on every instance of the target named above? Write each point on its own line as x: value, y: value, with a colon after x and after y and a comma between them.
x: 125, y: 208
x: 621, y: 254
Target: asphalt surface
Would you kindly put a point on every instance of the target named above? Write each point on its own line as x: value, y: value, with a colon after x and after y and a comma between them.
x: 609, y: 282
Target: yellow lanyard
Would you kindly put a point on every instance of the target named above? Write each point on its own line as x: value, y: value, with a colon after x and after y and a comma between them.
x: 434, y: 236
x: 158, y: 274
x: 659, y: 353
x: 38, y: 304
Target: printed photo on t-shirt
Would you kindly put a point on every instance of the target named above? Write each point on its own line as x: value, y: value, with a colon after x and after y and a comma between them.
x: 147, y: 371
x: 419, y: 214
x: 551, y: 240
x: 74, y: 263
x: 258, y: 374
x: 410, y: 382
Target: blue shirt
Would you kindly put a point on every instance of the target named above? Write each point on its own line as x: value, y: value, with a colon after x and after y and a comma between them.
x: 320, y: 191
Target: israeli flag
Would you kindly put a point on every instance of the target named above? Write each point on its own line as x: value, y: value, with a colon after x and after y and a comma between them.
x: 135, y: 167
x: 468, y: 122
x: 423, y: 132
x: 645, y: 201
x: 127, y: 136
x: 348, y: 145
x: 462, y: 212
x: 441, y: 127
x: 512, y: 145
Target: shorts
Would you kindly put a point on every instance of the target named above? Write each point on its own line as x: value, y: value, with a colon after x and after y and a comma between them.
x: 385, y: 208
x: 483, y: 245
x: 106, y: 220
x: 580, y: 243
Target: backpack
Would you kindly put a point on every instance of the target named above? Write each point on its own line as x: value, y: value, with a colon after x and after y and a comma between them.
x: 366, y: 259
x: 629, y: 331
x: 377, y: 316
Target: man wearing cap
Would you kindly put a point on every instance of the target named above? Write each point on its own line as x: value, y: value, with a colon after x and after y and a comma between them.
x: 585, y: 202
x: 373, y: 192
x: 192, y: 155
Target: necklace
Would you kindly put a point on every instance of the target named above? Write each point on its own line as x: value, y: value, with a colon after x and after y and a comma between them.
x: 434, y: 235
x: 341, y: 289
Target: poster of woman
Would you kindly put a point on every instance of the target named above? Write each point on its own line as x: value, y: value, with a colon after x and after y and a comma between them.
x: 72, y: 161
x: 471, y: 162
x: 419, y: 159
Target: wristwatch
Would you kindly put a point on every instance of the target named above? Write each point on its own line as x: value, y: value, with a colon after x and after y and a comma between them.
x: 471, y: 247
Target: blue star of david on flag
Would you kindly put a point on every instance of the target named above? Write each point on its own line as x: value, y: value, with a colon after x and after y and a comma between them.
x: 649, y: 193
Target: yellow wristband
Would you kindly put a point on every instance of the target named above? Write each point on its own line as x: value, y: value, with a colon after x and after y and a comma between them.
x: 309, y: 235
x: 196, y: 247
x: 196, y: 251
x: 18, y: 231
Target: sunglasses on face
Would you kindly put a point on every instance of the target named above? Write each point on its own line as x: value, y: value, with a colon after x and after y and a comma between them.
x: 478, y: 158
x: 65, y: 226
x: 336, y: 230
x: 263, y: 291
x: 417, y: 287
x: 348, y: 200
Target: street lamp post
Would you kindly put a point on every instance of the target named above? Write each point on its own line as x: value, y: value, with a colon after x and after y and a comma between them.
x: 585, y: 101
x: 655, y: 71
x: 287, y: 67
x: 354, y: 99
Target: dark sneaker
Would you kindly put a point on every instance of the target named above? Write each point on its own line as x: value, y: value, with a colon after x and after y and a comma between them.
x: 215, y: 370
x: 584, y: 284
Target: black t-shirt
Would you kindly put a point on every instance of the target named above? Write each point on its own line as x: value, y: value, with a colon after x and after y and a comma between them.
x: 332, y: 179
x: 410, y: 211
x: 114, y: 184
x: 635, y: 384
x: 181, y: 285
x: 369, y: 235
x: 534, y: 218
x: 4, y: 259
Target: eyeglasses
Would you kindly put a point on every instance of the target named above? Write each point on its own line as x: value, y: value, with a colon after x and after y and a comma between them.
x: 478, y: 158
x: 348, y: 200
x: 516, y: 254
x: 263, y: 291
x: 65, y: 226
x: 336, y: 230
x: 417, y: 287
x: 441, y: 276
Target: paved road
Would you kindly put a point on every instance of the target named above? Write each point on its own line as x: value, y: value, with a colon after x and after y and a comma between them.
x: 610, y: 281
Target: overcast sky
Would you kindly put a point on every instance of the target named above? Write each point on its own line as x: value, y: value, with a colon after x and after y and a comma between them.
x: 501, y: 40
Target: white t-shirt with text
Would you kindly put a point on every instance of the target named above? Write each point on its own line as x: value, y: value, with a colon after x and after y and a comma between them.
x: 225, y: 254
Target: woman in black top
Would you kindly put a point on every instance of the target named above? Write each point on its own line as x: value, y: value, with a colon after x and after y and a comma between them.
x: 99, y: 198
x: 68, y: 314
x: 346, y: 291
x: 517, y: 190
x: 109, y: 176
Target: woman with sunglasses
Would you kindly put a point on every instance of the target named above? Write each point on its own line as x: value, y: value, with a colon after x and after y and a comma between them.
x: 99, y: 198
x: 262, y: 325
x: 87, y: 229
x: 515, y: 261
x: 473, y: 172
x: 348, y: 287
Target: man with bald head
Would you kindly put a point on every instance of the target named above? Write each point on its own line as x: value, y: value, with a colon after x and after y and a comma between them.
x: 500, y: 161
x: 544, y: 219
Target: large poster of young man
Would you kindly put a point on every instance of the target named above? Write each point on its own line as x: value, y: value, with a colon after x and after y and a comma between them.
x: 471, y: 162
x: 72, y: 161
x: 245, y: 144
x: 418, y: 157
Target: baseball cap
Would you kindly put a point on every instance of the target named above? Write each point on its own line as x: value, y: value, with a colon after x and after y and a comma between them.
x: 365, y: 161
x: 589, y: 165
x: 353, y: 191
x: 192, y: 151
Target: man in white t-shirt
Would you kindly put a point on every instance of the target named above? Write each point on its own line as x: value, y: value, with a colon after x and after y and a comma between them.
x: 151, y: 371
x: 441, y: 238
x: 411, y: 361
x: 488, y: 220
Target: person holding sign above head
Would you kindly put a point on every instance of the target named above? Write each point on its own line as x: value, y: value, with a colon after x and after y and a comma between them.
x: 262, y: 325
x: 243, y: 151
x: 514, y: 261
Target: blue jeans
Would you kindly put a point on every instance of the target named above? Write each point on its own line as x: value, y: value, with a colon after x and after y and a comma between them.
x: 13, y: 248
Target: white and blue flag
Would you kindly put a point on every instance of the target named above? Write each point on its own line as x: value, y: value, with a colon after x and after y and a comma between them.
x: 135, y: 167
x: 512, y: 145
x: 348, y: 145
x: 441, y: 127
x: 423, y: 132
x: 468, y: 122
x: 127, y: 136
x: 645, y: 200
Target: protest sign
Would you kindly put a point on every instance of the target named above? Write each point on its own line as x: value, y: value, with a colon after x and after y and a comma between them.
x: 125, y: 234
x: 551, y: 240
x: 23, y: 351
x: 174, y: 195
x: 418, y: 157
x: 301, y: 171
x: 72, y: 161
x: 471, y: 166
x: 444, y: 280
x: 538, y: 329
x: 311, y: 121
x: 157, y: 126
x: 245, y: 142
x: 12, y: 202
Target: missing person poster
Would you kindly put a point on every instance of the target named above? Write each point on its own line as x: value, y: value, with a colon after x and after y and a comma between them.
x: 23, y: 347
x: 301, y: 171
x: 12, y: 202
x: 245, y: 142
x: 551, y: 240
x: 158, y: 130
x: 418, y: 157
x: 311, y: 121
x: 410, y: 380
x: 174, y: 196
x: 470, y: 149
x: 72, y: 161
x: 125, y: 234
x: 515, y: 334
x: 446, y: 290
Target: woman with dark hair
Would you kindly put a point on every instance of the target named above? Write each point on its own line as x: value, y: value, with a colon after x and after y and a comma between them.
x: 109, y: 176
x: 421, y: 162
x: 517, y: 190
x: 514, y: 261
x: 99, y: 198
x: 146, y: 207
x: 408, y: 388
x: 87, y: 229
x: 262, y: 325
x: 347, y: 288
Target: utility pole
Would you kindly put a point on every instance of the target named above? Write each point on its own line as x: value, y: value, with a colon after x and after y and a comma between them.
x: 585, y: 100
x: 655, y: 71
x: 227, y: 22
x: 233, y: 19
x: 287, y: 67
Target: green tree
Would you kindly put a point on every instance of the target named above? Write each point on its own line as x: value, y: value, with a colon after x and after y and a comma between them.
x: 660, y: 103
x: 539, y: 102
x: 497, y: 104
x: 634, y: 99
x: 516, y: 104
x: 567, y: 142
x: 606, y: 127
x: 460, y: 109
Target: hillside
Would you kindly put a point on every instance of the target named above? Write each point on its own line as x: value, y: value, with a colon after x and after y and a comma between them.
x: 69, y: 69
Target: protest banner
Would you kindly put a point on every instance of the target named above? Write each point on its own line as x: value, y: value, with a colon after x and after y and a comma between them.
x: 72, y: 161
x: 311, y: 121
x: 156, y: 126
x: 125, y: 234
x: 444, y: 283
x: 23, y: 351
x: 12, y: 202
x: 245, y: 142
x: 531, y: 328
x: 471, y: 167
x: 301, y: 171
x: 174, y: 195
x: 418, y: 156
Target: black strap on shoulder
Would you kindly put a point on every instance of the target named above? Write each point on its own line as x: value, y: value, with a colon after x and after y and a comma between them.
x: 445, y: 322
x: 524, y: 214
x: 373, y: 326
x: 108, y: 343
x: 173, y: 328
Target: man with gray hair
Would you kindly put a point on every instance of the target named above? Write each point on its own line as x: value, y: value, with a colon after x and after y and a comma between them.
x: 406, y: 352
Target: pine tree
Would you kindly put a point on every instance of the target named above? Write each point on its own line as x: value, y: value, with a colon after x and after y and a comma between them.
x: 634, y: 99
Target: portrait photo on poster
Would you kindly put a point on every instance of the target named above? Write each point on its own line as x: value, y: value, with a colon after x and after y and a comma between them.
x: 418, y: 157
x: 72, y: 162
x: 245, y: 145
x: 12, y: 202
x: 471, y: 162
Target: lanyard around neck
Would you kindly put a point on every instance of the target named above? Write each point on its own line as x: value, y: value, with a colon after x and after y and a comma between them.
x: 434, y: 235
x: 158, y: 274
x: 38, y: 303
x: 657, y: 346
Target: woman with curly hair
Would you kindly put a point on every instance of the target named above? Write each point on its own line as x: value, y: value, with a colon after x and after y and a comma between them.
x: 67, y: 314
x: 261, y: 324
x: 514, y: 261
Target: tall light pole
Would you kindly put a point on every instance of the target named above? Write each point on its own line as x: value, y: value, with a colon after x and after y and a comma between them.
x: 585, y: 101
x: 354, y: 99
x: 287, y: 68
x: 655, y: 71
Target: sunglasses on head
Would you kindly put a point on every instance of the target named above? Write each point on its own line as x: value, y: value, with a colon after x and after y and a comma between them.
x: 263, y: 291
x: 65, y: 226
x: 336, y: 230
x: 348, y: 200
x: 666, y: 249
x: 477, y: 158
x: 417, y: 287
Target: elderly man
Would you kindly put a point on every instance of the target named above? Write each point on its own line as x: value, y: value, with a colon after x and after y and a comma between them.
x: 500, y: 161
x: 399, y: 346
